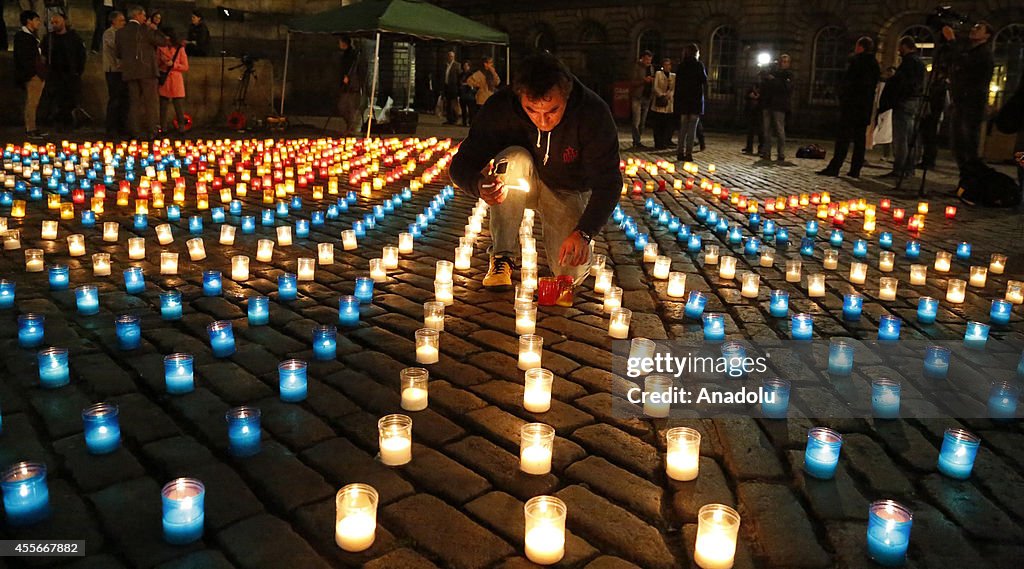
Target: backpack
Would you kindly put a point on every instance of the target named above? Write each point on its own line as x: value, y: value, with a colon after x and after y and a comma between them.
x: 811, y: 151
x: 982, y: 185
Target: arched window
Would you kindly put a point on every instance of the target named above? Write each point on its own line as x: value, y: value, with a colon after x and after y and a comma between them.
x: 1009, y: 61
x: 924, y: 37
x: 722, y: 57
x: 650, y: 40
x: 830, y: 53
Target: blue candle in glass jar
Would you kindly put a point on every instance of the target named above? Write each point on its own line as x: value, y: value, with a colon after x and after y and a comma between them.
x: 378, y: 212
x: 88, y: 218
x: 301, y: 228
x: 212, y: 283
x: 801, y: 327
x: 281, y: 210
x: 140, y: 221
x: 222, y: 338
x: 853, y: 306
x: 822, y: 454
x: 778, y: 306
x: 840, y: 357
x: 6, y: 199
x: 885, y: 240
x: 296, y: 203
x: 179, y: 376
x: 735, y: 235
x: 421, y: 220
x: 976, y: 335
x: 217, y: 215
x: 88, y: 300
x: 287, y: 286
x: 835, y: 238
x: 722, y: 227
x: 248, y: 224
x: 7, y: 290
x: 754, y: 221
x: 695, y: 303
x: 712, y: 219
x: 364, y: 289
x: 1002, y: 400
x: 26, y: 495
x: 889, y: 526
x: 183, y: 510
x: 889, y: 328
x: 59, y: 277
x: 640, y: 242
x: 325, y: 342
x: 258, y: 310
x: 414, y: 230
x: 683, y: 233
x: 31, y: 329
x: 885, y: 398
x: 927, y: 310
x: 769, y: 228
x: 807, y: 246
x: 292, y: 380
x: 775, y: 399
x: 963, y: 251
x: 359, y: 228
x: 351, y: 197
x: 752, y: 247
x: 406, y: 193
x: 235, y: 207
x: 649, y: 204
x: 714, y: 327
x: 1000, y: 312
x: 129, y: 332
x: 617, y: 214
x: 134, y: 281
x: 629, y: 228
x: 913, y: 249
x: 348, y: 310
x: 673, y: 223
x: 734, y: 355
x: 53, y: 368
x: 170, y: 305
x: 243, y: 430
x: 695, y: 243
x: 782, y: 236
x: 860, y: 248
x: 702, y: 212
x: 959, y: 449
x: 936, y: 362
x: 267, y: 218
x: 195, y: 225
x: 102, y: 428
x: 370, y: 221
x: 664, y: 217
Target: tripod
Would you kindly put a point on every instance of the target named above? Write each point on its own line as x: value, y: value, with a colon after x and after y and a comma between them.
x: 931, y: 81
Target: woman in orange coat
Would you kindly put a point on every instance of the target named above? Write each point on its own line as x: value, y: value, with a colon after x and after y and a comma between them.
x: 173, y: 62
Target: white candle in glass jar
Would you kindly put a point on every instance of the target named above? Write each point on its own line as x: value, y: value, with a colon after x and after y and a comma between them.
x: 264, y: 250
x: 650, y: 252
x: 535, y: 448
x: 443, y: 271
x: 831, y: 259
x: 168, y: 263
x: 816, y: 285
x: 711, y: 254
x: 676, y: 284
x: 528, y: 278
x: 529, y: 259
x: 943, y: 260
x: 163, y: 234
x: 767, y: 257
x: 717, y: 530
x: 727, y: 267
x: 682, y: 461
x: 136, y: 248
x: 979, y: 275
x: 395, y: 439
x: 306, y: 269
x: 49, y: 229
x: 101, y: 264
x: 612, y: 299
x: 377, y: 271
x: 918, y: 274
x: 530, y: 347
x: 227, y: 234
x: 428, y: 343
x: 76, y: 245
x: 537, y: 390
x: 662, y: 266
x: 196, y: 249
x: 793, y: 269
x: 858, y: 273
x: 239, y: 268
x: 325, y: 253
x: 603, y: 280
x: 997, y: 264
x: 34, y: 262
x: 751, y: 284
x: 463, y: 257
x: 956, y: 291
x: 389, y: 255
x: 1015, y: 292
x: 887, y: 288
x: 886, y: 261
x: 443, y: 292
x: 618, y: 324
x: 405, y: 243
x: 544, y: 538
x: 526, y: 318
x: 284, y: 235
x: 348, y: 240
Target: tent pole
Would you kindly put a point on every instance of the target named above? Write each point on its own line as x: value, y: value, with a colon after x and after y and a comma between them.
x: 284, y: 78
x: 373, y: 86
x: 508, y: 64
x: 412, y: 77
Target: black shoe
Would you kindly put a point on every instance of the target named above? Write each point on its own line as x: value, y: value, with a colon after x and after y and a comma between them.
x: 828, y: 172
x: 747, y: 150
x: 853, y: 174
x: 639, y: 145
x: 36, y: 134
x: 703, y: 147
x: 889, y: 176
x: 671, y: 144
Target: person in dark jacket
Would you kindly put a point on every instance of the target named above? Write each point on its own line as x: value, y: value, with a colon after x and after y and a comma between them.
x: 691, y: 86
x: 776, y: 93
x: 30, y: 68
x: 752, y: 116
x: 65, y: 57
x: 101, y: 9
x: 902, y: 94
x: 197, y: 43
x: 969, y: 89
x: 856, y: 99
x: 3, y: 30
x: 136, y: 49
x: 350, y: 95
x: 555, y: 149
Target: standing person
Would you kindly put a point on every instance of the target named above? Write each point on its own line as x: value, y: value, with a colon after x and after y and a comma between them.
x: 198, y: 42
x: 173, y: 63
x: 117, y: 91
x: 136, y: 48
x: 450, y: 88
x: 101, y: 9
x: 776, y: 95
x: 969, y: 87
x: 663, y: 104
x: 350, y: 95
x: 856, y: 98
x: 485, y: 81
x: 30, y: 68
x: 552, y: 131
x: 467, y: 93
x: 157, y: 19
x: 902, y: 94
x: 65, y: 57
x: 691, y: 86
x: 641, y: 87
x: 752, y: 116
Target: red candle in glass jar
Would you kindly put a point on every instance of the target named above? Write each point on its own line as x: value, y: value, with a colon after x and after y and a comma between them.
x: 898, y: 214
x: 547, y: 291
x: 950, y: 211
x: 885, y: 204
x: 689, y: 183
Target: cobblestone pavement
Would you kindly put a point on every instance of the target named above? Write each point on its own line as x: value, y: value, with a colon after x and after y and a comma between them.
x: 459, y: 502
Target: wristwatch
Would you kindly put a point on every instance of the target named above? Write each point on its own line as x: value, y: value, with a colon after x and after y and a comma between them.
x: 586, y: 236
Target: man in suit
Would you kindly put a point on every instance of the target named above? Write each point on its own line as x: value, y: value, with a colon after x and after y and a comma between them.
x: 30, y: 68
x: 856, y: 97
x: 450, y: 82
x: 136, y: 49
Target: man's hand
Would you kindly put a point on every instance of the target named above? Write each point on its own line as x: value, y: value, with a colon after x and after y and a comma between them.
x: 948, y: 33
x: 492, y: 190
x: 575, y: 250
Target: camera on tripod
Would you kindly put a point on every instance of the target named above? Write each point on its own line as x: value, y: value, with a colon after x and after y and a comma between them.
x: 247, y: 61
x: 946, y: 16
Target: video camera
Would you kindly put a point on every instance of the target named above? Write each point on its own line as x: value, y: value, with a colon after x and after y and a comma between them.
x: 946, y: 16
x: 247, y: 61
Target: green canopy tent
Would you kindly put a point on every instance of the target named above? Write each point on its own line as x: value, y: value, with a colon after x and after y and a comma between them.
x: 411, y: 18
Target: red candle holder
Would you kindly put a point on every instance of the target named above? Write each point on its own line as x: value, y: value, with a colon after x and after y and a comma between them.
x: 950, y: 211
x: 898, y: 214
x: 661, y: 185
x: 547, y: 291
x: 885, y: 204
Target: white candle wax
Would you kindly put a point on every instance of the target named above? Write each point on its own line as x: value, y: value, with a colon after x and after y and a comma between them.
x: 34, y: 265
x: 426, y: 355
x: 355, y: 532
x: 528, y: 359
x: 437, y: 323
x: 979, y: 275
x: 545, y: 545
x: 618, y: 330
x: 395, y: 450
x: 918, y: 274
x: 714, y: 550
x: 858, y: 273
x: 682, y: 464
x: 526, y: 325
x: 535, y: 459
x: 414, y: 399
x: 537, y: 399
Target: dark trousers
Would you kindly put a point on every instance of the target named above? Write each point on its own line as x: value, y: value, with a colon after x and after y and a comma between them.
x: 468, y: 110
x: 849, y: 132
x: 929, y: 129
x: 754, y: 128
x: 663, y: 127
x: 451, y: 107
x: 102, y: 13
x: 117, y: 104
x: 62, y: 91
x: 965, y: 128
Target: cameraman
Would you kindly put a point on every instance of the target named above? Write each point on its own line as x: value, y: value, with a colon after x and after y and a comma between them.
x: 969, y: 88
